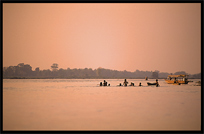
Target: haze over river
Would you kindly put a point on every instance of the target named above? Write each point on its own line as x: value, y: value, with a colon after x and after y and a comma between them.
x: 81, y: 104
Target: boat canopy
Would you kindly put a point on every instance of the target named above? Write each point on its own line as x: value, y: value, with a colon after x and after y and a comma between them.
x: 175, y: 76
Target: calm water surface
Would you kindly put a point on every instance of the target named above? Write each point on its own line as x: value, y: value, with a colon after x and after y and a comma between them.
x: 81, y: 104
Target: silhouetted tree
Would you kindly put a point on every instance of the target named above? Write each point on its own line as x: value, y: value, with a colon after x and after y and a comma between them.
x: 98, y: 72
x: 9, y: 71
x: 54, y: 67
x: 155, y: 74
x: 46, y: 73
x: 27, y: 69
x: 20, y: 64
x: 197, y: 76
x: 37, y: 72
x: 163, y: 75
x: 37, y: 69
x: 179, y: 72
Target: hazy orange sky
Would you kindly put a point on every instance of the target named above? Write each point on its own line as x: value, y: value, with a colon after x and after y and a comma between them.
x: 143, y: 36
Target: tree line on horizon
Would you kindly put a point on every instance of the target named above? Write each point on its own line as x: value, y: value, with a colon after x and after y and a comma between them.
x: 24, y: 71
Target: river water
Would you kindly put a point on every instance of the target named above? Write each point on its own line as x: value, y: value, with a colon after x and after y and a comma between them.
x: 81, y: 104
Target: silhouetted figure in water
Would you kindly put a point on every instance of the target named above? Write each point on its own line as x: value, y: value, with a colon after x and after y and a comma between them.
x: 125, y: 82
x: 101, y: 84
x: 108, y: 84
x: 104, y: 83
x: 119, y: 84
x: 157, y: 84
x: 140, y: 84
x: 132, y: 84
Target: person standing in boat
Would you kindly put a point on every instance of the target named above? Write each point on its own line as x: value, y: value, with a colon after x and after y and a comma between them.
x: 175, y: 80
x: 125, y: 82
x: 185, y: 80
x: 157, y: 84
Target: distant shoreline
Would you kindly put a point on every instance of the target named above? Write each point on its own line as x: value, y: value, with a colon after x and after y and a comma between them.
x: 24, y: 71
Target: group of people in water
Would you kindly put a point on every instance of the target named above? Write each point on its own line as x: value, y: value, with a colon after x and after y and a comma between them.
x: 104, y: 83
x: 125, y: 83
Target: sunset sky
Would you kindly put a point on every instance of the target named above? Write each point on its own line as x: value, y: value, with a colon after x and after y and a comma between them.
x: 148, y: 37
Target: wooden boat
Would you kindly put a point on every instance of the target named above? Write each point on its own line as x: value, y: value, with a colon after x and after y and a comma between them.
x: 181, y: 79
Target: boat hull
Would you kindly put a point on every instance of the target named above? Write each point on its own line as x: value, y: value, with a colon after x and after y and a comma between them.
x: 178, y: 81
x: 151, y: 83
